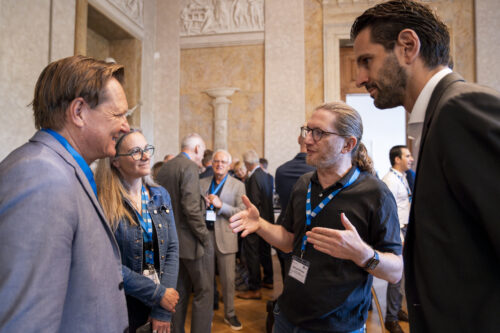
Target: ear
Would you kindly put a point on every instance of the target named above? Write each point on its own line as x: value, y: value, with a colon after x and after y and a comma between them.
x: 409, y: 44
x: 74, y: 112
x: 349, y: 144
x: 116, y: 163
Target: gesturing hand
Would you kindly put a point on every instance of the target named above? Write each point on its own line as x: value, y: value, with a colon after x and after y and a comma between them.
x: 246, y: 220
x: 170, y: 299
x: 343, y: 244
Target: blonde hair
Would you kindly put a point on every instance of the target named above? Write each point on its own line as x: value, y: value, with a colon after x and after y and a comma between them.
x: 112, y: 192
x: 348, y: 123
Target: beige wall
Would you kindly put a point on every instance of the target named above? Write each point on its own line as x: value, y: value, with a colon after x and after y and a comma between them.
x: 231, y: 66
x: 488, y: 42
x: 313, y: 36
x: 97, y: 45
x: 30, y: 36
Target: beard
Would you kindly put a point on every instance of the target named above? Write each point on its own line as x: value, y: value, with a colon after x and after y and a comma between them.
x: 391, y: 84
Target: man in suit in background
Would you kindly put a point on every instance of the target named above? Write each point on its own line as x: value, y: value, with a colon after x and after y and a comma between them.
x: 452, y: 251
x: 256, y: 251
x: 60, y: 266
x: 287, y: 175
x: 223, y: 198
x: 196, y: 265
x: 206, y: 163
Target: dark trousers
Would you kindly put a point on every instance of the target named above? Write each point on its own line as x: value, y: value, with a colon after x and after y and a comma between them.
x: 250, y: 251
x: 394, y: 296
x: 266, y: 260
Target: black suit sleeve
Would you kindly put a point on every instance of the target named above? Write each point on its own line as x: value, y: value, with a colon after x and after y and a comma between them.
x: 471, y: 158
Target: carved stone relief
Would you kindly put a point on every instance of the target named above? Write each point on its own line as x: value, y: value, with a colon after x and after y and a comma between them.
x: 205, y: 17
x: 131, y: 8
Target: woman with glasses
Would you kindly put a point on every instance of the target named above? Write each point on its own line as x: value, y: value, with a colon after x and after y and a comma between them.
x: 140, y: 214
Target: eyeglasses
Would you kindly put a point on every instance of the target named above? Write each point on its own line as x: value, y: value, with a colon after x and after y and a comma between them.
x: 220, y: 162
x: 138, y: 153
x: 317, y: 133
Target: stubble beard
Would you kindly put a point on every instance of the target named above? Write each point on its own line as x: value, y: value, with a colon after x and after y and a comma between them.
x: 391, y: 85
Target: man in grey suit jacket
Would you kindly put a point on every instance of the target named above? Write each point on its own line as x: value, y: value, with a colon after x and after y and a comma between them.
x: 223, y: 197
x: 60, y: 268
x: 452, y: 252
x: 196, y: 265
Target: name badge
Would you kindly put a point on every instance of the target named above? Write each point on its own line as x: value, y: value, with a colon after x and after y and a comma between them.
x: 211, y: 216
x: 152, y: 275
x: 299, y: 269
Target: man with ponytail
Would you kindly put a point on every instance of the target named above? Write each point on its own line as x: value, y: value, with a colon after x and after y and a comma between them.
x: 341, y: 226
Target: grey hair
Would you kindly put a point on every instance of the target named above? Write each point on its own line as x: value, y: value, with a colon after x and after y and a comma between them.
x: 190, y: 141
x: 230, y: 159
x: 251, y: 157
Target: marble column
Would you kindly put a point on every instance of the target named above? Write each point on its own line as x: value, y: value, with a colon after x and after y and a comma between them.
x: 221, y: 111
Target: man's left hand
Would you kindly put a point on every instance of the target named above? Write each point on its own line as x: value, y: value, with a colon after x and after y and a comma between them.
x: 343, y: 244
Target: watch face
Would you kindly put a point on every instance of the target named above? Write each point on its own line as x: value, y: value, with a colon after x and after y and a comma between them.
x: 373, y: 262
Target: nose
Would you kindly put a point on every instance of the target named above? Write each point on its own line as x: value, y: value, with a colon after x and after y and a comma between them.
x: 308, y: 139
x: 125, y: 127
x: 361, y: 77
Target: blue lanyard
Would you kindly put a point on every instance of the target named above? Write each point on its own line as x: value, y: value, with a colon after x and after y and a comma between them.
x: 214, y: 189
x: 402, y: 181
x: 146, y: 224
x: 312, y: 214
x: 78, y: 158
x: 185, y: 154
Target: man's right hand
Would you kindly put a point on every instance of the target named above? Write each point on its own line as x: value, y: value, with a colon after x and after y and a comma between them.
x: 247, y: 220
x: 169, y: 299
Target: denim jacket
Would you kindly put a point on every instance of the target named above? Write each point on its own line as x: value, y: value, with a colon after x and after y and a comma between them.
x: 129, y: 238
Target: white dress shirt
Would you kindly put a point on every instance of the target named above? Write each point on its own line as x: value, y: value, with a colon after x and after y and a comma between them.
x: 398, y: 184
x: 417, y: 115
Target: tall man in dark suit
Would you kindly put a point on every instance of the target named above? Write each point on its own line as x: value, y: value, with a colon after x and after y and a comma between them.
x: 196, y: 265
x: 256, y: 252
x: 452, y: 252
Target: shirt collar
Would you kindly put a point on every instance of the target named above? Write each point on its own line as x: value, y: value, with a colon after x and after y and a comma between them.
x: 251, y: 172
x: 340, y: 183
x: 398, y: 172
x: 417, y: 114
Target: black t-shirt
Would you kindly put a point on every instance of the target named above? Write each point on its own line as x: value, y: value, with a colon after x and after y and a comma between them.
x: 336, y: 293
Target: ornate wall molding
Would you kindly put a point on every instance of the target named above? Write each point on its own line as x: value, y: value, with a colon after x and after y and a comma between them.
x: 356, y: 2
x: 129, y: 14
x: 208, y: 17
x: 132, y: 8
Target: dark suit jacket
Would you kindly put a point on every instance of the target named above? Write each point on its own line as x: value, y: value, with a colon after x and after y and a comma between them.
x: 287, y: 175
x: 259, y: 188
x: 180, y: 177
x: 452, y: 250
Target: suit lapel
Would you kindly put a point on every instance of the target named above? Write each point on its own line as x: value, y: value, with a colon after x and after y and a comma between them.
x: 438, y: 92
x: 52, y: 143
x: 226, y: 189
x: 432, y: 109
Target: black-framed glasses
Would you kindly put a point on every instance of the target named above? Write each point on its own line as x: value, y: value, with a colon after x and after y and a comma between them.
x: 137, y: 153
x: 317, y: 133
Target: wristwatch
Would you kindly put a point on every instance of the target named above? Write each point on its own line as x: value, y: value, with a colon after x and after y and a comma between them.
x: 373, y: 262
